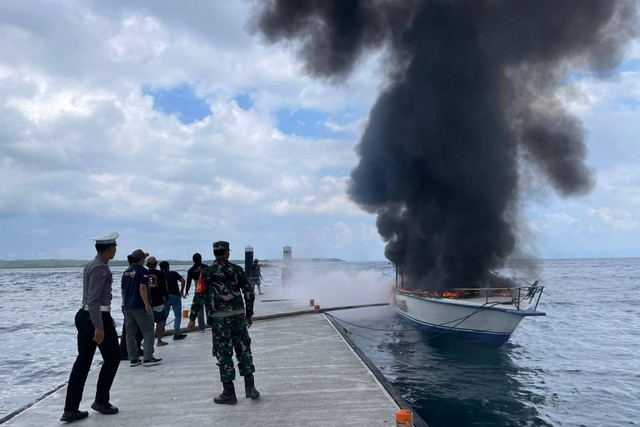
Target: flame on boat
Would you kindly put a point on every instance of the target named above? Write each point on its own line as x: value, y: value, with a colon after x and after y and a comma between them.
x: 458, y: 293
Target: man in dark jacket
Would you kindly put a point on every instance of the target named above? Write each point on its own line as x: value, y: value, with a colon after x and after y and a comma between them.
x: 230, y: 317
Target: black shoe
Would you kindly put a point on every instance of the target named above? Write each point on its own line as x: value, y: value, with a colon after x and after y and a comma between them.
x: 104, y: 408
x: 151, y: 362
x: 70, y: 416
x: 228, y: 396
x: 250, y: 388
x: 251, y: 393
x: 179, y: 337
x: 135, y: 363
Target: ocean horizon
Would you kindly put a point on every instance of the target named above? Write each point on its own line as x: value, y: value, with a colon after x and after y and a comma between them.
x: 576, y: 366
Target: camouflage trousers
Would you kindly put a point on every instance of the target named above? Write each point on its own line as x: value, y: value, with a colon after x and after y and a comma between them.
x: 230, y: 334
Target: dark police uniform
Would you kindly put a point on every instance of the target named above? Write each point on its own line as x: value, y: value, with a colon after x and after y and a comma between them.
x: 95, y: 313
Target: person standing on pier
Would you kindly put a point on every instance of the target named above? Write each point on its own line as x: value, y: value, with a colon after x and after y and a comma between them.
x: 231, y: 317
x: 96, y: 328
x: 175, y: 297
x: 159, y: 298
x: 193, y: 274
x: 256, y: 275
x: 137, y: 309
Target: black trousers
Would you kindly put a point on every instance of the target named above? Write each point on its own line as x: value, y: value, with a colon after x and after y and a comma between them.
x: 86, y: 349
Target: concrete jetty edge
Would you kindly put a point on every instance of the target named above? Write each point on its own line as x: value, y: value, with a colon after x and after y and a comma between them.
x: 375, y: 374
x: 382, y: 380
x: 30, y: 404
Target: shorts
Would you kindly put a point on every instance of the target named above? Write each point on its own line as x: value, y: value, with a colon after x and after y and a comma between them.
x: 159, y: 313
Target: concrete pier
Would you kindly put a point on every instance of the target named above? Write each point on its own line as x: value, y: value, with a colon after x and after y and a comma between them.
x: 306, y: 372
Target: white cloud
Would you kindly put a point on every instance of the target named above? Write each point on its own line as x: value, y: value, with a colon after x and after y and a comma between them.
x: 620, y: 220
x: 561, y: 218
x: 602, y: 223
x: 82, y: 150
x: 141, y: 39
x: 50, y: 106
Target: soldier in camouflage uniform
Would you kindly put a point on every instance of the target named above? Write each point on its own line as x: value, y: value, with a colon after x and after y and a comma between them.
x: 230, y: 318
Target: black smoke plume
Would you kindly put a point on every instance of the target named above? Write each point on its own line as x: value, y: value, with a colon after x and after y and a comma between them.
x: 472, y: 102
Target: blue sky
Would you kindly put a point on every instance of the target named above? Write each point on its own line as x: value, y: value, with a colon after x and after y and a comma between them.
x: 175, y: 131
x: 181, y: 102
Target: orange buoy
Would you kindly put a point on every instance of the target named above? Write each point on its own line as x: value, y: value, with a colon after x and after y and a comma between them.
x: 404, y: 417
x: 312, y: 302
x: 185, y: 313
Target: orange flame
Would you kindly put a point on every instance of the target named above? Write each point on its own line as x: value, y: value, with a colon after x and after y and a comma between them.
x: 445, y: 294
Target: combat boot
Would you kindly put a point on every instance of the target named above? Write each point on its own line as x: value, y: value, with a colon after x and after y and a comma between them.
x: 250, y: 388
x: 228, y: 396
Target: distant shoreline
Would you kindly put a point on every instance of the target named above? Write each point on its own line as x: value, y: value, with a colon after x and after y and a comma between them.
x: 72, y: 263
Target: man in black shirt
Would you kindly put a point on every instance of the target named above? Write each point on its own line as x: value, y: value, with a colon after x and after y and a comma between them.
x: 159, y: 298
x: 193, y: 275
x: 256, y: 275
x: 175, y: 297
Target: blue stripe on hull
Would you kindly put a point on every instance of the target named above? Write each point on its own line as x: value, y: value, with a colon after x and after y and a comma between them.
x: 484, y: 338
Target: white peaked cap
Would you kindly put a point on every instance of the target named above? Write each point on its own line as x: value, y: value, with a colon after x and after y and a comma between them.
x: 107, y: 239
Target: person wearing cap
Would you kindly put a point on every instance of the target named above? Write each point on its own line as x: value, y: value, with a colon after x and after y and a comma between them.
x: 232, y: 297
x: 137, y: 309
x: 96, y: 328
x: 159, y: 298
x: 256, y: 275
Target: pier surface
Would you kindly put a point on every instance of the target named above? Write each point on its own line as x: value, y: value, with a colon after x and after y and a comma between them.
x: 307, y: 375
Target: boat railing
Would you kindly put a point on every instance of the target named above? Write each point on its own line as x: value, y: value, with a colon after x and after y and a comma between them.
x: 522, y: 297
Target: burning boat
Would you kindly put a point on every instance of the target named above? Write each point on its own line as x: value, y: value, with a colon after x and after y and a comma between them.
x: 486, y: 316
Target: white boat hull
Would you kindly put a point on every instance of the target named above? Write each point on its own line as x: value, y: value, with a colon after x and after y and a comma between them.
x: 472, y: 320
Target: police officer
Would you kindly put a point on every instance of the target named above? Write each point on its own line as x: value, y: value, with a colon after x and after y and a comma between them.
x: 230, y: 318
x: 96, y: 328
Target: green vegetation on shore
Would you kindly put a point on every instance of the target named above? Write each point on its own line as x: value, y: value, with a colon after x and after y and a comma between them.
x: 70, y: 263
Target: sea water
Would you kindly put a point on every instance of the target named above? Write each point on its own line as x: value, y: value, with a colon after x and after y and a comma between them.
x: 577, y: 366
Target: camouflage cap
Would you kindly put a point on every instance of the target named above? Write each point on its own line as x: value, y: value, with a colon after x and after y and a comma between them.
x: 221, y: 244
